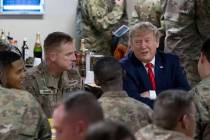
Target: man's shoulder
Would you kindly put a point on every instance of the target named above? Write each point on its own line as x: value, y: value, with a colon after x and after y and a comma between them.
x: 151, y: 132
x: 126, y: 58
x: 139, y: 105
x: 16, y: 102
x: 73, y: 74
x: 168, y: 59
x: 202, y: 88
x: 17, y: 96
x: 167, y: 56
x: 33, y: 72
x: 128, y: 61
x: 125, y: 103
x: 20, y: 112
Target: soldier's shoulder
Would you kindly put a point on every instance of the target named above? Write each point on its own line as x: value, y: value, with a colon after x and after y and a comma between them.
x: 17, y: 94
x: 139, y: 105
x: 73, y: 74
x: 153, y: 132
x: 16, y: 100
x: 202, y: 88
x: 145, y: 133
x: 178, y: 136
x: 33, y: 72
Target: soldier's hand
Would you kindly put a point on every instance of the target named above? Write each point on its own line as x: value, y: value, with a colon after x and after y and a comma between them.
x: 119, y: 2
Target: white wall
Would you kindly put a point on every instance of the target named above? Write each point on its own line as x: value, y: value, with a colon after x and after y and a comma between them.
x: 59, y: 16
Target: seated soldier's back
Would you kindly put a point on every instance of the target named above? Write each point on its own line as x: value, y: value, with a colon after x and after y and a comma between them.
x: 152, y: 132
x: 21, y: 116
x: 117, y: 106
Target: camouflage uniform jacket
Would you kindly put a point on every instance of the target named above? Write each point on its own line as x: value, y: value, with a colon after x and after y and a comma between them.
x: 21, y: 117
x: 187, y: 25
x: 50, y: 90
x: 147, y: 10
x: 152, y: 132
x: 201, y: 93
x: 99, y: 19
x: 117, y: 106
x: 186, y: 21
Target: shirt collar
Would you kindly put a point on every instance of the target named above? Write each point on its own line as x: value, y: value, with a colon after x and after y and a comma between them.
x: 152, y: 61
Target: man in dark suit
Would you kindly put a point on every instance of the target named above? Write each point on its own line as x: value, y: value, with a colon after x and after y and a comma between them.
x: 148, y: 72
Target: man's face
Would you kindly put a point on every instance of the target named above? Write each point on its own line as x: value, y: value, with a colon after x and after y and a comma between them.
x: 69, y: 129
x: 65, y: 57
x: 15, y: 74
x: 58, y: 121
x: 144, y: 45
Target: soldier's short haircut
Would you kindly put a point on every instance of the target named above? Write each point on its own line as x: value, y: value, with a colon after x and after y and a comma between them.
x: 108, y: 130
x: 85, y: 105
x: 206, y: 49
x: 107, y: 70
x: 7, y: 58
x: 143, y: 26
x: 170, y: 107
x: 55, y: 40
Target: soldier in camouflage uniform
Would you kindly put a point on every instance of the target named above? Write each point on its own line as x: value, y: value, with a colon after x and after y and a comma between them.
x: 116, y: 104
x: 202, y: 90
x: 146, y: 10
x: 152, y: 132
x: 173, y: 118
x: 99, y: 19
x: 187, y: 26
x: 54, y: 77
x: 21, y: 115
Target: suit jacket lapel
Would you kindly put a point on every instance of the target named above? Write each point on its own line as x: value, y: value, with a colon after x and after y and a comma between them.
x: 159, y: 71
x: 142, y: 74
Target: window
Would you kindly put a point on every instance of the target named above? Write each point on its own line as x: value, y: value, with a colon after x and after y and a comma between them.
x: 22, y: 7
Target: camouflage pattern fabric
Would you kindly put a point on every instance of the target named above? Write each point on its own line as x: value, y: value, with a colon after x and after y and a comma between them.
x: 152, y: 132
x: 187, y: 26
x: 117, y: 106
x: 99, y: 19
x: 50, y: 90
x: 202, y: 95
x: 147, y: 10
x: 21, y: 117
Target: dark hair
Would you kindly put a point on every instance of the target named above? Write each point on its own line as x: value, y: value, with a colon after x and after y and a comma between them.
x: 108, y: 130
x: 170, y: 106
x: 107, y: 70
x: 7, y: 58
x: 206, y: 49
x: 55, y: 39
x: 3, y: 46
x: 85, y: 104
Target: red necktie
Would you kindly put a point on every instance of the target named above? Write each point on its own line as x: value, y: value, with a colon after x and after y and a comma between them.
x: 151, y: 75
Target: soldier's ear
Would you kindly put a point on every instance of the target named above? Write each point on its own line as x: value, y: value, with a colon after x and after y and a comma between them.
x: 203, y: 58
x: 52, y: 56
x: 3, y: 78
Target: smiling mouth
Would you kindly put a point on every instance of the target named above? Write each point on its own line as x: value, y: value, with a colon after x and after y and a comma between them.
x: 144, y: 53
